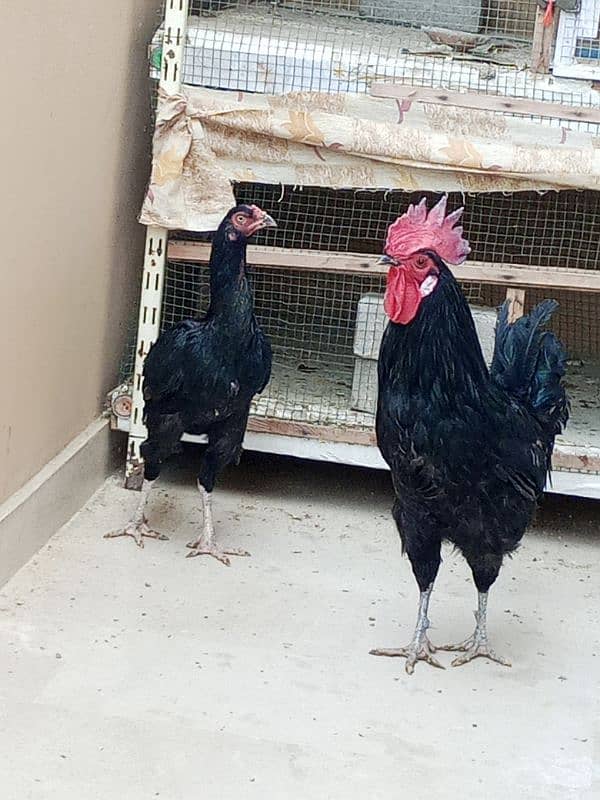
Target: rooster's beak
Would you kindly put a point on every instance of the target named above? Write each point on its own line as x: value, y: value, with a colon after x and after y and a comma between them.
x: 385, y: 260
x: 268, y: 222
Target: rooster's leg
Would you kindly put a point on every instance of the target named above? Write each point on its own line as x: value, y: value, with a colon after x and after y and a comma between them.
x: 477, y: 644
x: 205, y: 544
x: 420, y: 649
x: 138, y: 527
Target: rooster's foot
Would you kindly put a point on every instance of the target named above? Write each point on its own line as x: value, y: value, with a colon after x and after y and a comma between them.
x: 477, y: 645
x: 421, y: 650
x: 474, y: 647
x: 202, y: 547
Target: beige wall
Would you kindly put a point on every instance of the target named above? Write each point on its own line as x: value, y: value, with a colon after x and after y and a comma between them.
x: 74, y: 139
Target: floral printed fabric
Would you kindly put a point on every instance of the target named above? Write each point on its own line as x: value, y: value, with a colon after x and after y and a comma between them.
x: 205, y: 139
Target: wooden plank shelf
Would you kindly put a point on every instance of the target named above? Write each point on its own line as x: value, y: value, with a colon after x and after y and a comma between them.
x: 516, y: 275
x: 566, y: 457
x: 485, y: 102
x: 309, y: 430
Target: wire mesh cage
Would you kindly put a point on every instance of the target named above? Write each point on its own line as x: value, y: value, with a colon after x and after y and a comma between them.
x: 325, y: 328
x: 325, y: 325
x: 549, y: 229
x: 344, y: 45
x: 325, y: 355
x: 511, y: 17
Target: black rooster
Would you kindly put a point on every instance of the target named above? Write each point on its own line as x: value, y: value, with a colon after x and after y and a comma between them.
x: 469, y: 450
x: 201, y: 375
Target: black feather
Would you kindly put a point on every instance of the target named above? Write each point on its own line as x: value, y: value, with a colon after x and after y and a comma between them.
x: 201, y: 375
x: 529, y: 364
x: 469, y: 451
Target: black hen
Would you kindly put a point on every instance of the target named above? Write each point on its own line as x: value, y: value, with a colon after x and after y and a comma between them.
x: 201, y: 375
x: 469, y: 450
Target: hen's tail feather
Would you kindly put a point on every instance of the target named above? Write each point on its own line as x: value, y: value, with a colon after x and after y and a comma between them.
x: 530, y: 362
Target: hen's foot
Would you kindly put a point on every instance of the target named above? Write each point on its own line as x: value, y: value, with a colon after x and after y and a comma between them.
x: 138, y: 532
x: 474, y: 647
x: 421, y: 650
x: 203, y: 547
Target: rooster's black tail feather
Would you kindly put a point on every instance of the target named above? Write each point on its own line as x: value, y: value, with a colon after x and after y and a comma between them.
x: 530, y: 362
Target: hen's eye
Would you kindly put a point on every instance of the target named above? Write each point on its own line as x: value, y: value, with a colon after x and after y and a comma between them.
x: 241, y: 219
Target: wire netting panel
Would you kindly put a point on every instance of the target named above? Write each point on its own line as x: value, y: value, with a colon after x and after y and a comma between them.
x: 311, y: 320
x: 325, y: 328
x: 345, y: 45
x: 509, y: 17
x: 576, y: 321
x: 311, y: 317
x: 324, y: 369
x: 555, y: 229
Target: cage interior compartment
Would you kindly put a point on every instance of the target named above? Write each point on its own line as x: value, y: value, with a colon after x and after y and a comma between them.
x: 312, y: 321
x: 482, y: 46
x: 370, y: 324
x: 325, y: 323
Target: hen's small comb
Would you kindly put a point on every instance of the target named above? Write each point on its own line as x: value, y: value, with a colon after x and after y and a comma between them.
x: 419, y: 230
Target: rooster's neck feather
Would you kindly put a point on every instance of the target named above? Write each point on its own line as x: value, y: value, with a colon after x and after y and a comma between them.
x: 438, y: 353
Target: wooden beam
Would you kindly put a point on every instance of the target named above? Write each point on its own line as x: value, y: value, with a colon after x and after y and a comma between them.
x: 578, y: 280
x: 305, y: 430
x: 544, y: 38
x: 566, y: 457
x: 576, y: 459
x: 485, y: 102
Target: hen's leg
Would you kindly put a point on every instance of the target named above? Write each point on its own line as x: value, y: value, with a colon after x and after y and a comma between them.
x: 205, y: 544
x: 477, y: 644
x: 424, y: 555
x: 164, y: 434
x: 138, y: 527
x: 225, y: 447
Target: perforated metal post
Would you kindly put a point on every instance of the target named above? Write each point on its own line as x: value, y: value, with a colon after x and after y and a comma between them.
x: 175, y: 23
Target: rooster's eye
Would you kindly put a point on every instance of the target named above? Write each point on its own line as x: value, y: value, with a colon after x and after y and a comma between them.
x: 421, y: 261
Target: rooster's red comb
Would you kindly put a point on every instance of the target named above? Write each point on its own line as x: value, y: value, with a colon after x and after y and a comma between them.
x: 419, y: 230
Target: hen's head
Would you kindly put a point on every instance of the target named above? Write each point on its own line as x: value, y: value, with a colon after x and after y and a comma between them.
x: 417, y: 247
x: 243, y: 221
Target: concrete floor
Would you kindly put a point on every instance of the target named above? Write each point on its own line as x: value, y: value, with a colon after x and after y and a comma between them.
x: 140, y: 674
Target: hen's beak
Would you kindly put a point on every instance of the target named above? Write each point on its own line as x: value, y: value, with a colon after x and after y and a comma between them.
x: 268, y: 222
x: 385, y: 260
